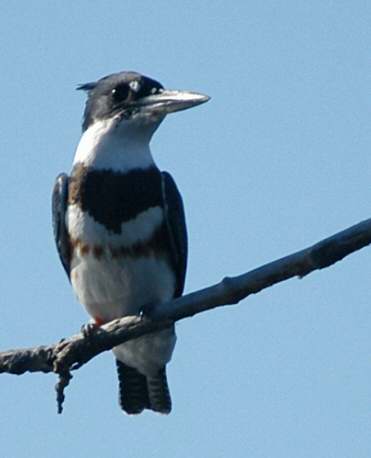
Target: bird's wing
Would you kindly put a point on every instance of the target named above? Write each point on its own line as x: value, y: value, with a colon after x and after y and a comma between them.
x: 59, y: 207
x: 176, y: 226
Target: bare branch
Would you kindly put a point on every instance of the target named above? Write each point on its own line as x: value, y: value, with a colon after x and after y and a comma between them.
x: 72, y: 353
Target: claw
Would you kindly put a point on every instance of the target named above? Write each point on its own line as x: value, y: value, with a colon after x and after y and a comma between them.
x: 88, y: 330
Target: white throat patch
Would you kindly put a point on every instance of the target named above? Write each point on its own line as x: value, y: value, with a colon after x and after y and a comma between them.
x: 103, y: 147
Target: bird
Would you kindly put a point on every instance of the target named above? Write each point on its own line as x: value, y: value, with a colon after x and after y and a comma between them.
x: 119, y: 225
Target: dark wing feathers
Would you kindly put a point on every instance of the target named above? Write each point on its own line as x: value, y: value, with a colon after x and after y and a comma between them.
x: 59, y: 206
x: 176, y: 225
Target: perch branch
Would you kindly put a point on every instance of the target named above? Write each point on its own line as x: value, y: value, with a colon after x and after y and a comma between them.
x: 72, y: 353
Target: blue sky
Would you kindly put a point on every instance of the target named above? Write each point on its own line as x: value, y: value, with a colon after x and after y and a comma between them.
x: 278, y: 159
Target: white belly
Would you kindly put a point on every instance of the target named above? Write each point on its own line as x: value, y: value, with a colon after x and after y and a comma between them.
x: 110, y: 284
x: 110, y: 288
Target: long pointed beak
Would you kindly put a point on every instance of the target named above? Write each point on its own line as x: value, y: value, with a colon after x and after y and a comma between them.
x: 166, y: 102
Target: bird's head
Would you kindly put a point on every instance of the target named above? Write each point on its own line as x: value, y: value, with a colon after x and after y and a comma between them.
x: 129, y: 101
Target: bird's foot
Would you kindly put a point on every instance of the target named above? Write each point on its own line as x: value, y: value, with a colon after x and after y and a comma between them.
x: 89, y: 330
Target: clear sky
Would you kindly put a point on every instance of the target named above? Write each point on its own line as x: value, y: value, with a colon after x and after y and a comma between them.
x: 278, y: 159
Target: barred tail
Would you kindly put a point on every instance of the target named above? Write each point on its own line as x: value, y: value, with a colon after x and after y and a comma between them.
x: 158, y: 392
x: 138, y: 392
x: 133, y: 393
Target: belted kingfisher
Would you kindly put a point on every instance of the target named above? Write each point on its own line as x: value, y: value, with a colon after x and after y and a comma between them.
x: 119, y: 225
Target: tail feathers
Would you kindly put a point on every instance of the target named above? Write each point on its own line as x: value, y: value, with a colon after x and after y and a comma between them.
x: 133, y: 393
x: 138, y: 392
x: 158, y: 392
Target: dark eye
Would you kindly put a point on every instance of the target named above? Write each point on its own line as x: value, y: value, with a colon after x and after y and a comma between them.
x: 120, y: 93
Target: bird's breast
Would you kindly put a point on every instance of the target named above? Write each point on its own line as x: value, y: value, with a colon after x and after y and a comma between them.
x: 119, y: 242
x: 112, y: 197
